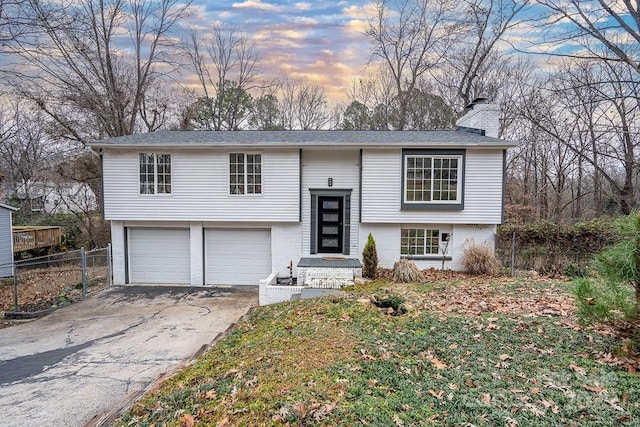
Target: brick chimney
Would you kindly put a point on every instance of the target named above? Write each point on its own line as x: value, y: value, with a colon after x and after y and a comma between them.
x: 481, y: 114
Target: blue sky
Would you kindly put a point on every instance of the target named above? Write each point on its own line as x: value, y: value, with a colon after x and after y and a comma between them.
x: 321, y: 41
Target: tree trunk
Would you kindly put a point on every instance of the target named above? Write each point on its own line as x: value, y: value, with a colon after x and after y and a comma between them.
x: 636, y: 259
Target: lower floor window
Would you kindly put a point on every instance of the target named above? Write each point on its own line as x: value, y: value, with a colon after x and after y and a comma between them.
x: 423, y: 241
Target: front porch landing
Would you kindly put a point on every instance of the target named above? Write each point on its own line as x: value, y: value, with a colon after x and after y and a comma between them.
x: 328, y: 272
x: 315, y: 276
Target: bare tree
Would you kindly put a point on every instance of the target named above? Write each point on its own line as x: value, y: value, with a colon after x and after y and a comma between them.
x: 12, y: 21
x: 376, y: 92
x: 606, y: 29
x: 26, y: 154
x: 225, y: 63
x: 74, y: 68
x: 303, y: 105
x: 474, y: 66
x: 410, y: 38
x: 592, y: 110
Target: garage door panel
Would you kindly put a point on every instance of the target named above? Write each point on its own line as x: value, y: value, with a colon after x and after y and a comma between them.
x: 237, y: 256
x: 159, y: 255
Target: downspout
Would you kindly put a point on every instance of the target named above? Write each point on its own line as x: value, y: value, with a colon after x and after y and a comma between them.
x: 360, y: 190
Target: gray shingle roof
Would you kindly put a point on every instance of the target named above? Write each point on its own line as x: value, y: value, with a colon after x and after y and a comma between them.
x: 321, y: 138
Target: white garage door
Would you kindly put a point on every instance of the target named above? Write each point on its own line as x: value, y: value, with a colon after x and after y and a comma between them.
x: 159, y: 255
x: 237, y: 256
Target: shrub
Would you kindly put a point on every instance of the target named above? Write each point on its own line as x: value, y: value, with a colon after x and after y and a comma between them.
x: 614, y: 293
x: 370, y: 258
x: 601, y: 301
x: 405, y: 271
x: 479, y: 259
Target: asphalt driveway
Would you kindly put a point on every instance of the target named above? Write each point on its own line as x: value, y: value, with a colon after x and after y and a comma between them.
x: 84, y: 362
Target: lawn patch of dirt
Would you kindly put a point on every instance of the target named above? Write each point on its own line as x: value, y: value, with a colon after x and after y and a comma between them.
x: 45, y: 288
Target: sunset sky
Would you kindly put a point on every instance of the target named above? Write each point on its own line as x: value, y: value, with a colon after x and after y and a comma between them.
x: 319, y: 40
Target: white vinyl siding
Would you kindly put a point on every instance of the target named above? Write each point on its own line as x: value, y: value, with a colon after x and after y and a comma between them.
x: 317, y: 167
x: 237, y: 256
x: 200, y: 188
x: 382, y: 190
x: 159, y: 256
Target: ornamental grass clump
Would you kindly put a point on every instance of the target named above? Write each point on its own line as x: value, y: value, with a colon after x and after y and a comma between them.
x: 479, y: 259
x: 406, y: 271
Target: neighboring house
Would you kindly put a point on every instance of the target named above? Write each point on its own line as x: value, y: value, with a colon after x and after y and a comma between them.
x: 222, y: 207
x: 6, y: 240
x: 57, y: 197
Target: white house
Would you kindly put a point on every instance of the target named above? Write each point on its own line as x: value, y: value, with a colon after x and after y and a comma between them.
x: 200, y: 207
x: 6, y: 240
x: 61, y: 197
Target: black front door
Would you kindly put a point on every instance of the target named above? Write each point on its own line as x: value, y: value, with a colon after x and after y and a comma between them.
x: 330, y: 226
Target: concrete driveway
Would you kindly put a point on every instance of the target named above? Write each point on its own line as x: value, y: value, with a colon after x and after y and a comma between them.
x: 84, y: 362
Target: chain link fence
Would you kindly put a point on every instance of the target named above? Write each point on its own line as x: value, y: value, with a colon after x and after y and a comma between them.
x: 57, y: 279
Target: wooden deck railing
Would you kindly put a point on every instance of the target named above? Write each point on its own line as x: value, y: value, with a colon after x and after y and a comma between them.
x: 28, y: 238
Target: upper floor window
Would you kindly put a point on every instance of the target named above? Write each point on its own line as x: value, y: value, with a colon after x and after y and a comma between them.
x: 432, y: 179
x: 245, y: 173
x: 155, y: 173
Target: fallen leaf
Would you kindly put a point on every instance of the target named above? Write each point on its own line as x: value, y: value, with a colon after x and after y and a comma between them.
x: 437, y: 394
x: 548, y: 403
x: 210, y: 394
x: 187, y: 420
x: 485, y: 398
x: 437, y: 363
x: 511, y: 422
x: 594, y: 389
x: 285, y: 390
x: 231, y: 372
x: 469, y: 383
x: 365, y: 355
x: 223, y: 423
x: 614, y: 404
x: 535, y: 390
x: 504, y: 357
x: 398, y: 421
x: 301, y: 409
x: 577, y: 369
x: 534, y: 410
